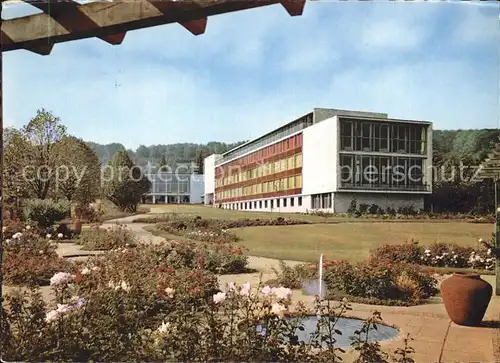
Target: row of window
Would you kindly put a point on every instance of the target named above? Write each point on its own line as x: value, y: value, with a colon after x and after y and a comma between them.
x: 321, y: 201
x: 386, y: 171
x: 268, y: 203
x: 170, y: 187
x: 280, y: 133
x: 259, y: 156
x: 236, y: 176
x: 380, y: 137
x: 273, y: 186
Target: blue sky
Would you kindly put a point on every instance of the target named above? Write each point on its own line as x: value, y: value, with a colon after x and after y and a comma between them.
x: 256, y: 69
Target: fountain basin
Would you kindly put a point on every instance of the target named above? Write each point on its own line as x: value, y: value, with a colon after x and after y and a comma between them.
x: 347, y: 326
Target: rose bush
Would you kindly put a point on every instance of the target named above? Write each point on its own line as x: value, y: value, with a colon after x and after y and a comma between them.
x: 97, y: 238
x: 371, y: 281
x: 29, y: 259
x: 126, y: 322
x: 437, y: 255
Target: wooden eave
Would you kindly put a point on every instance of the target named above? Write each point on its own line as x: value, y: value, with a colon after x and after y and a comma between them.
x: 66, y: 20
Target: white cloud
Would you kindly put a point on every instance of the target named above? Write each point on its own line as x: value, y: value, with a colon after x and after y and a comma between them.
x: 479, y: 24
x: 253, y: 71
x: 446, y: 93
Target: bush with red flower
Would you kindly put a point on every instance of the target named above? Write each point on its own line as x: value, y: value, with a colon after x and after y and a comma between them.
x: 29, y: 259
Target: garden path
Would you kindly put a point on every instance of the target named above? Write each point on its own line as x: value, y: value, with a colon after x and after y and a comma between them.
x: 436, y: 339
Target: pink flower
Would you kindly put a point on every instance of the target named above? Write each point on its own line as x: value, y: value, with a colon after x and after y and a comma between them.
x: 266, y: 290
x: 52, y: 316
x: 64, y: 308
x: 60, y: 278
x: 219, y: 297
x: 278, y: 310
x: 245, y: 289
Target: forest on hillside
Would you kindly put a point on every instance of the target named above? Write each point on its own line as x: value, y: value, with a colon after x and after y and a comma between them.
x: 456, y: 155
x: 156, y: 155
x: 44, y: 140
x: 450, y: 146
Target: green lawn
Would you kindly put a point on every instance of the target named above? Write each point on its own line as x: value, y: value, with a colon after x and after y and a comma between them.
x: 352, y: 240
x: 219, y: 213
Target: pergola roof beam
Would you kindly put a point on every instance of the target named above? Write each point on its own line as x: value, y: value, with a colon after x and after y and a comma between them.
x: 59, y: 12
x: 196, y: 27
x: 62, y: 22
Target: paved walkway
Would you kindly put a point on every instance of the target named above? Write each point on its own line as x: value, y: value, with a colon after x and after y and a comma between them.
x: 436, y: 339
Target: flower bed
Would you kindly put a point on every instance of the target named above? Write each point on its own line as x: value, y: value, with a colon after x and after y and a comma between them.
x: 216, y: 258
x: 221, y: 223
x: 96, y: 239
x: 94, y: 318
x: 370, y: 282
x: 212, y: 230
x: 199, y: 229
x: 437, y: 255
x: 31, y: 260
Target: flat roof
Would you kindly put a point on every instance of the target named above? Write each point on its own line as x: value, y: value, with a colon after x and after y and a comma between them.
x: 388, y: 119
x: 338, y: 112
x: 267, y: 133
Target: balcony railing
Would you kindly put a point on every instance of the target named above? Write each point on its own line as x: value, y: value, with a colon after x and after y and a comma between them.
x: 385, y: 187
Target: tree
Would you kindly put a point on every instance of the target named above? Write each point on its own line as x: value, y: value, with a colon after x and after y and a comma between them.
x: 30, y: 151
x: 78, y: 171
x: 200, y: 159
x: 124, y: 183
x: 163, y: 165
x: 42, y: 132
x: 14, y: 183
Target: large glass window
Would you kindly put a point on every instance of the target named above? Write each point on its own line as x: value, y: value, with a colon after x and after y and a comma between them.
x: 397, y: 137
x: 346, y: 135
x: 382, y: 172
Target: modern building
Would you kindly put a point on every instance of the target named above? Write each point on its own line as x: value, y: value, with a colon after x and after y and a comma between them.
x: 324, y: 160
x: 182, y: 185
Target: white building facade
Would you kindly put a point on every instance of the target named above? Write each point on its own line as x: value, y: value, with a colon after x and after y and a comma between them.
x: 175, y: 188
x: 324, y: 161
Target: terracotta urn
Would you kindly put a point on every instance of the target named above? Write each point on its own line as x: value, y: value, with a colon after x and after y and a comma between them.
x: 466, y: 298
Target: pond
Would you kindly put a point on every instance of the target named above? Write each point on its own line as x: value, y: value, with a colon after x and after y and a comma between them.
x: 347, y: 326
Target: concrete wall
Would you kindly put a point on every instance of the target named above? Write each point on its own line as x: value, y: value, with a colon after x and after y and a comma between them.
x: 319, y: 157
x: 428, y: 161
x: 342, y: 200
x: 197, y: 188
x: 321, y: 114
x: 209, y: 172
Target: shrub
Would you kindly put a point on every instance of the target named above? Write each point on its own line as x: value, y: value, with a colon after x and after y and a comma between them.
x: 353, y: 206
x: 45, y: 212
x: 375, y: 209
x: 320, y: 213
x: 118, y: 236
x: 380, y: 280
x: 89, y: 213
x: 437, y: 255
x: 293, y: 277
x: 391, y: 211
x: 409, y: 252
x: 25, y: 268
x: 408, y: 210
x: 363, y: 208
x: 217, y: 258
x: 30, y: 259
x: 28, y: 240
x: 11, y: 227
x: 446, y: 255
x: 129, y: 322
